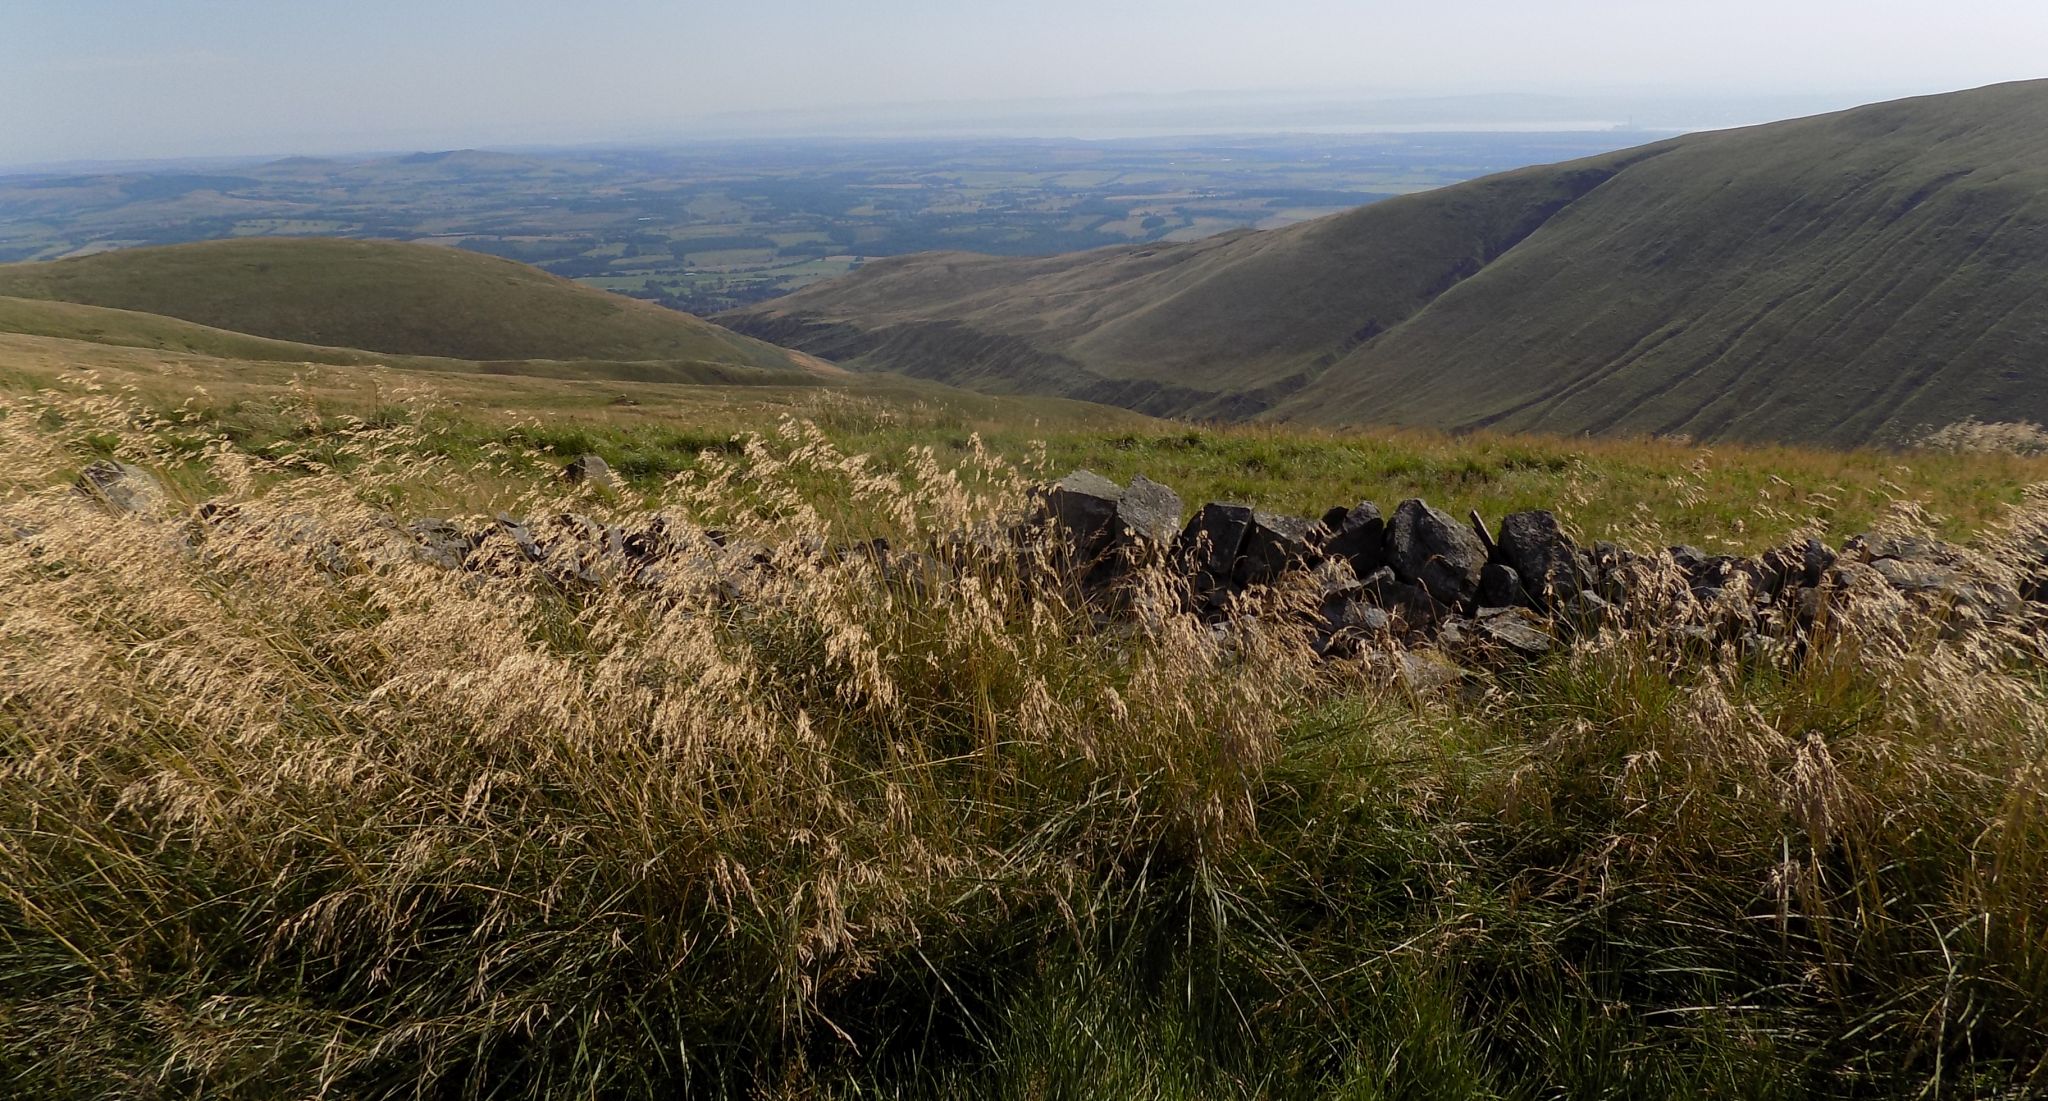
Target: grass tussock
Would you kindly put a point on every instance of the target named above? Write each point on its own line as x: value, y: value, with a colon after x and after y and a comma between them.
x: 1973, y: 436
x: 286, y: 812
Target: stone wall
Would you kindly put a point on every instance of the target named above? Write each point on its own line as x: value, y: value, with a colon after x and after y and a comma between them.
x: 1361, y: 577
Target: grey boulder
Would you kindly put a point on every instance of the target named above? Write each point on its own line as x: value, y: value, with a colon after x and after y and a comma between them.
x: 123, y: 488
x: 1439, y: 555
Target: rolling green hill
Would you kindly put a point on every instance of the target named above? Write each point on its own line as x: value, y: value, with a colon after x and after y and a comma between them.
x: 387, y: 297
x: 1847, y: 278
x: 72, y: 321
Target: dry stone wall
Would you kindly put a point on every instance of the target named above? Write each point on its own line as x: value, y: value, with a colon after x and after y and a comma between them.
x: 1411, y: 577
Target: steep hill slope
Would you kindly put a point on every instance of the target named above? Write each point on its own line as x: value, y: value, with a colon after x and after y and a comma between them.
x: 1847, y: 278
x: 385, y: 296
x: 1222, y: 326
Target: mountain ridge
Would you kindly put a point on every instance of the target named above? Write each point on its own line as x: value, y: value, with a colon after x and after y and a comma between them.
x: 1721, y: 284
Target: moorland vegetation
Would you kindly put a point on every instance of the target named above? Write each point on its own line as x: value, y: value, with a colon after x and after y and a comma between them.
x: 287, y: 810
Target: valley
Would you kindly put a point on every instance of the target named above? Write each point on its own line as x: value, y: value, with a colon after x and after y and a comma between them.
x: 1864, y: 277
x: 716, y: 225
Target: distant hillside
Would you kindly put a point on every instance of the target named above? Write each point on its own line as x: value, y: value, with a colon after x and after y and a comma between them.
x: 72, y: 321
x: 386, y: 297
x: 1847, y: 278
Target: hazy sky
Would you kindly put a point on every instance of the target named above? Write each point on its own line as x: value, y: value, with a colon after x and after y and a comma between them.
x: 152, y: 78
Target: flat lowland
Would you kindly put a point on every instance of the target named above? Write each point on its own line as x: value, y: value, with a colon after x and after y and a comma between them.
x: 388, y: 297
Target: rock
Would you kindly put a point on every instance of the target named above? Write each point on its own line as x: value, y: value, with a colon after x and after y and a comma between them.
x: 1849, y: 575
x: 1586, y: 611
x: 1150, y: 511
x: 1274, y: 545
x: 1422, y: 672
x: 1550, y: 566
x: 312, y: 535
x: 516, y: 532
x: 1500, y: 586
x: 912, y: 572
x: 1513, y: 630
x: 123, y: 488
x: 226, y: 526
x: 1871, y: 546
x: 1687, y: 557
x: 1915, y: 575
x: 1706, y: 574
x: 1694, y: 636
x: 1083, y: 504
x: 660, y: 537
x: 1936, y: 574
x: 1355, y: 615
x: 1815, y: 561
x: 875, y: 551
x: 1333, y: 577
x: 1346, y: 622
x: 985, y: 549
x: 1100, y: 522
x: 440, y: 542
x: 1344, y: 605
x: 1387, y: 590
x: 591, y: 470
x: 1770, y: 574
x: 1941, y: 583
x: 1358, y: 536
x: 583, y: 550
x: 1208, y: 548
x: 1428, y: 549
x: 1807, y: 606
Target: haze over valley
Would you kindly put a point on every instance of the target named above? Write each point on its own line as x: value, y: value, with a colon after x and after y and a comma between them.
x: 713, y: 226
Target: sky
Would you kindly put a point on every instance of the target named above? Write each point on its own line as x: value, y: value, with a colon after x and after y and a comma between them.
x: 131, y: 79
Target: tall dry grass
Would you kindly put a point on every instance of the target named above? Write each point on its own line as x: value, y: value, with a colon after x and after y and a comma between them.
x: 395, y: 828
x: 287, y: 812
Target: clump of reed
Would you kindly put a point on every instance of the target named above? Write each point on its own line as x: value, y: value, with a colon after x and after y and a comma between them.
x: 287, y: 812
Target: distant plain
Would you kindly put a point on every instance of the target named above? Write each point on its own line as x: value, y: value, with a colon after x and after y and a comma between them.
x: 713, y: 226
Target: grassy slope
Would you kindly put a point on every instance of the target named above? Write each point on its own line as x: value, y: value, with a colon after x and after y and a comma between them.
x: 1221, y: 326
x: 1848, y: 278
x: 1851, y: 277
x: 72, y: 321
x: 385, y: 297
x: 1643, y: 491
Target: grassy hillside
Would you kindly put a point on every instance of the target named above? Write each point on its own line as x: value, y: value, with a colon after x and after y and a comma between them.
x: 385, y: 297
x: 1219, y: 327
x: 1734, y: 498
x: 71, y: 321
x: 1848, y: 278
x: 1853, y: 277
